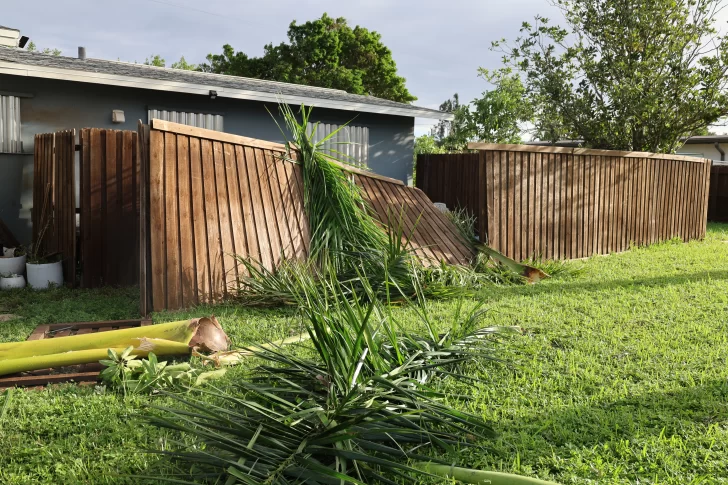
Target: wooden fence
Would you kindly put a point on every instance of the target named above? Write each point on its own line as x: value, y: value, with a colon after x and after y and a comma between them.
x: 212, y: 195
x: 109, y: 206
x: 54, y: 198
x: 563, y: 203
x: 718, y: 195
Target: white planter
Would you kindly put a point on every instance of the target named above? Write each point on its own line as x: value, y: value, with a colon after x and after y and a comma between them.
x: 12, y: 282
x: 41, y: 276
x: 14, y: 265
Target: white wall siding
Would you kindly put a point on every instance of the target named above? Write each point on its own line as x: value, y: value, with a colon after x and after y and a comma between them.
x: 10, y: 141
x: 200, y: 120
x: 350, y: 144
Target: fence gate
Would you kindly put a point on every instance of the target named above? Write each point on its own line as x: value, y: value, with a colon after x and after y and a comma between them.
x: 109, y: 205
x: 54, y: 198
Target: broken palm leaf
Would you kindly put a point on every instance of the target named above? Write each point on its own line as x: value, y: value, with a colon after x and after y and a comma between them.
x: 467, y: 475
x: 234, y: 357
x: 531, y: 274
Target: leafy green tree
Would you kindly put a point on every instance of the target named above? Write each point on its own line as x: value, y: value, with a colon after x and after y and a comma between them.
x: 497, y: 116
x: 454, y: 135
x: 184, y: 65
x: 31, y: 47
x: 156, y: 60
x: 325, y: 52
x: 624, y: 74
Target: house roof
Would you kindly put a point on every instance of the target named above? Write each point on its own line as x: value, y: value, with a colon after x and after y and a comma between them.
x: 23, y: 63
x: 706, y: 139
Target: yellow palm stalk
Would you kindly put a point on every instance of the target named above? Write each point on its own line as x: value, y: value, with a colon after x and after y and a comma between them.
x: 142, y: 347
x: 180, y: 331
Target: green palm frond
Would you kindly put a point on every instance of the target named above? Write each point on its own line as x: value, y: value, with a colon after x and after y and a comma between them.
x: 359, y: 411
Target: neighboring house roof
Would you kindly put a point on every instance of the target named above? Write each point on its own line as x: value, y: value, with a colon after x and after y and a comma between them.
x: 23, y: 63
x: 706, y: 139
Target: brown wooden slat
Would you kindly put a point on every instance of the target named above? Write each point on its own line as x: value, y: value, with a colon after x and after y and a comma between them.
x: 186, y: 232
x: 261, y: 220
x: 173, y: 273
x: 157, y: 221
x: 142, y: 150
x: 252, y: 249
x: 237, y: 224
x: 200, y: 242
x: 277, y: 199
x: 214, y: 244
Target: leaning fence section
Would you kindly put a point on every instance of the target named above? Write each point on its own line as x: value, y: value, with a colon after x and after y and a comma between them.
x: 213, y: 196
x: 208, y: 197
x: 561, y: 203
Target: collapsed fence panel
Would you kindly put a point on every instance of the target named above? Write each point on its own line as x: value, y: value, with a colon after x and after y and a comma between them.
x: 212, y: 195
x: 109, y: 206
x: 562, y: 203
x: 54, y: 199
x: 428, y: 232
x: 718, y: 198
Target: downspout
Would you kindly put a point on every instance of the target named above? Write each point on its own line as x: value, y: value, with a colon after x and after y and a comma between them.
x: 720, y: 150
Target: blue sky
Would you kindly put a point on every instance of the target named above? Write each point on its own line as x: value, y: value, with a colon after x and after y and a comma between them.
x: 438, y: 46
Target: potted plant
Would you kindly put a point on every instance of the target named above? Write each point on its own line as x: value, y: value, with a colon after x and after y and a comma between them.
x: 12, y: 261
x: 11, y: 281
x: 43, y: 269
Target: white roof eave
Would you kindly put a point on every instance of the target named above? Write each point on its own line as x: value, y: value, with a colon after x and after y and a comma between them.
x: 45, y: 72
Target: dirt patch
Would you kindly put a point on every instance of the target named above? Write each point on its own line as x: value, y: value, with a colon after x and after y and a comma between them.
x: 4, y: 317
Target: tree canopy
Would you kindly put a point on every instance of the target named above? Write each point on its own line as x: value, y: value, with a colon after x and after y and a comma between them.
x: 497, y: 116
x: 624, y: 74
x: 325, y: 52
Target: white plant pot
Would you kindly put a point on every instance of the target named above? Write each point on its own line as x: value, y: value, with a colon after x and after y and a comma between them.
x: 41, y: 276
x: 12, y: 282
x: 14, y: 265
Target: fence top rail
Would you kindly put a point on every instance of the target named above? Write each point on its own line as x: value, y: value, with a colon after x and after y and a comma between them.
x: 180, y: 129
x: 582, y: 151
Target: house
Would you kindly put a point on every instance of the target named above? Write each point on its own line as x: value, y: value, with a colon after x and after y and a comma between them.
x: 42, y: 93
x: 711, y: 146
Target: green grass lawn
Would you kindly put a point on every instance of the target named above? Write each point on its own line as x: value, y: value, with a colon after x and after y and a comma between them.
x: 620, y: 377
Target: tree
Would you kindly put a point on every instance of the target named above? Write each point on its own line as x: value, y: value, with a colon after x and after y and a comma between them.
x: 624, y: 74
x: 31, y: 47
x: 156, y: 60
x: 184, y: 65
x: 325, y: 52
x: 499, y: 115
x: 496, y: 117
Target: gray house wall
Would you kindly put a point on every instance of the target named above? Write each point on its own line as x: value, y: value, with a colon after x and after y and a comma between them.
x: 57, y: 105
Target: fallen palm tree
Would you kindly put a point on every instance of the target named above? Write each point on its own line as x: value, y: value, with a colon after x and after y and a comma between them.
x: 174, y: 338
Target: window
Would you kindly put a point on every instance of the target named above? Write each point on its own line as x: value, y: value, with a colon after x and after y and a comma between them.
x: 350, y: 144
x: 200, y: 120
x: 10, y: 125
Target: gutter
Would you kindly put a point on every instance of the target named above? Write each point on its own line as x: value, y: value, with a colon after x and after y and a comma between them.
x: 720, y: 150
x: 43, y: 72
